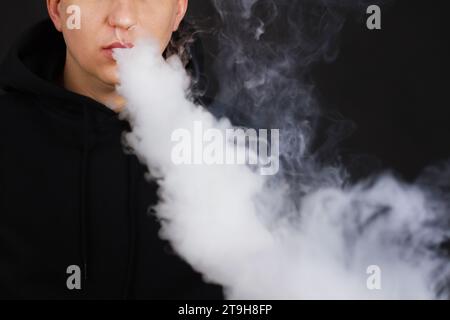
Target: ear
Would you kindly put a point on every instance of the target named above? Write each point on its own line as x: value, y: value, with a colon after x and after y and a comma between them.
x: 182, y: 6
x: 54, y: 11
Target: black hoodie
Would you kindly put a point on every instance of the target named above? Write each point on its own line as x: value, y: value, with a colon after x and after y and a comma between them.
x: 71, y: 195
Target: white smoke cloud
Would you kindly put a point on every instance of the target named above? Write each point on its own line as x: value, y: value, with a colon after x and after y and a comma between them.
x: 246, y: 232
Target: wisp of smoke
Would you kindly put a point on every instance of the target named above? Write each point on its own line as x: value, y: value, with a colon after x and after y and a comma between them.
x: 250, y: 233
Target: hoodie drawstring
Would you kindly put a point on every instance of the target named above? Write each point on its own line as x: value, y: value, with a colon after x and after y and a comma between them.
x: 131, y: 228
x: 84, y: 237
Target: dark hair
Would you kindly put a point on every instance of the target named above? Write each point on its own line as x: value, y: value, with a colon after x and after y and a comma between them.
x: 184, y: 43
x: 180, y: 43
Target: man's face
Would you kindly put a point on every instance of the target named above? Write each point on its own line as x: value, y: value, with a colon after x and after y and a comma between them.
x: 106, y: 23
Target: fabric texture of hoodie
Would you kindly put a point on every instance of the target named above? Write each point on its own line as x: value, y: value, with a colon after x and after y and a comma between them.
x: 71, y: 195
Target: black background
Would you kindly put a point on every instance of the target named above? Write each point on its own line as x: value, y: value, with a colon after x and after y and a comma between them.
x: 392, y: 83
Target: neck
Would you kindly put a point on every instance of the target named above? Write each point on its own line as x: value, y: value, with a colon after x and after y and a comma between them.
x: 78, y: 81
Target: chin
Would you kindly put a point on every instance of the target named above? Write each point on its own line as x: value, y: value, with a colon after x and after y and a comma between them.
x: 110, y: 78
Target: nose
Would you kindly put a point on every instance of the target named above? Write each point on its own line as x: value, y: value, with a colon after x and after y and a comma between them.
x: 123, y: 14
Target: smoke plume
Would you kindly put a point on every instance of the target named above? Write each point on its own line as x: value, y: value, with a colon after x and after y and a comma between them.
x: 305, y: 233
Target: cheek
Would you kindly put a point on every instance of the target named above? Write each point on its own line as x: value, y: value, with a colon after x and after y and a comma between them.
x: 84, y: 43
x: 81, y: 45
x: 76, y: 41
x: 83, y: 39
x: 159, y: 28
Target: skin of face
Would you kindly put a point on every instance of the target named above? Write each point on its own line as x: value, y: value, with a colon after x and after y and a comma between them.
x: 89, y: 69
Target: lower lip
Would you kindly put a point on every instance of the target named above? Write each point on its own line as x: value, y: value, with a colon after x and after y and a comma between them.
x: 108, y: 53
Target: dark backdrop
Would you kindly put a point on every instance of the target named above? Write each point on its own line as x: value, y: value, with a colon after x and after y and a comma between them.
x: 393, y: 83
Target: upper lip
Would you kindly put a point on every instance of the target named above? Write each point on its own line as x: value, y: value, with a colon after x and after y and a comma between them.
x: 115, y: 45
